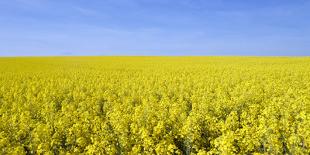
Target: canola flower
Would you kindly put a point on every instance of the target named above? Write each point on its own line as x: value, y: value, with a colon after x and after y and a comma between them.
x: 155, y: 105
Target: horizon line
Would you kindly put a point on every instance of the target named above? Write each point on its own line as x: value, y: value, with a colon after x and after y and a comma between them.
x: 34, y: 56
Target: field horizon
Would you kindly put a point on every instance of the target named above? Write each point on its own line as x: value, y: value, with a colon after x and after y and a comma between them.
x: 241, y: 56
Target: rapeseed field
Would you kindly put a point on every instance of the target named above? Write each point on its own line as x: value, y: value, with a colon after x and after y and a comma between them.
x: 155, y: 105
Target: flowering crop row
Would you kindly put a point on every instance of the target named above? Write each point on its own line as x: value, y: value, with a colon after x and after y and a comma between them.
x: 155, y: 105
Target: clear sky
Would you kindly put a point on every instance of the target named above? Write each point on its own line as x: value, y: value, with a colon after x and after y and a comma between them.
x: 154, y: 27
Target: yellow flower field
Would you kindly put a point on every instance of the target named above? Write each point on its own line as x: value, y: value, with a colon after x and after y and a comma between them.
x: 155, y: 105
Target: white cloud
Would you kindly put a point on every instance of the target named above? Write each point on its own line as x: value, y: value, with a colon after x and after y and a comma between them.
x: 85, y: 11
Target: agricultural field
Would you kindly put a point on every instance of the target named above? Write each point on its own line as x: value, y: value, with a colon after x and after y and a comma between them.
x: 155, y: 105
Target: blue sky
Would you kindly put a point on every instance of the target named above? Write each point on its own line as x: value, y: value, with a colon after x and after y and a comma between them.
x: 154, y: 27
